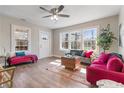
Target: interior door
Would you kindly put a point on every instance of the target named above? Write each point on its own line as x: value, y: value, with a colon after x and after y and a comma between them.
x: 44, y: 46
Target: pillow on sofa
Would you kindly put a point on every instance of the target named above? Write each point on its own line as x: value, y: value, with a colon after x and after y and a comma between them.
x: 115, y: 64
x: 28, y: 53
x: 20, y: 53
x: 76, y: 52
x: 88, y: 53
x: 104, y: 57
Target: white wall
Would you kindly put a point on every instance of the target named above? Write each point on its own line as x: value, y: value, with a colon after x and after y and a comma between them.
x: 121, y: 21
x: 5, y: 33
x: 113, y: 21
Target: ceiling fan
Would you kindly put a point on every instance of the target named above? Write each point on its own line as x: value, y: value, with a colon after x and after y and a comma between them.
x: 55, y: 13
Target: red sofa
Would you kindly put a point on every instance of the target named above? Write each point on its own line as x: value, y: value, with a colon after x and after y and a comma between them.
x: 105, y: 67
x: 22, y: 59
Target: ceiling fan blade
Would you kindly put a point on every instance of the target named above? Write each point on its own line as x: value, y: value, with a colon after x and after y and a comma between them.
x: 47, y: 16
x: 45, y: 9
x: 63, y: 15
x: 60, y: 8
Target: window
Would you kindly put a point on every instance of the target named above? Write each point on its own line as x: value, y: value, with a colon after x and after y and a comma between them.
x: 77, y: 40
x: 89, y: 39
x: 20, y: 38
x: 65, y: 40
x: 70, y: 40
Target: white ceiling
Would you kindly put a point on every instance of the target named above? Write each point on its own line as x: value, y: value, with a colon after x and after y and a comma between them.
x: 78, y: 14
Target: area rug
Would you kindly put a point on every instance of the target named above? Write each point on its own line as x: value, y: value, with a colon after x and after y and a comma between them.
x: 78, y: 75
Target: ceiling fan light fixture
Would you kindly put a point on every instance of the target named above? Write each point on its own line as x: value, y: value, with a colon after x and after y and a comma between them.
x: 54, y: 17
x: 55, y: 13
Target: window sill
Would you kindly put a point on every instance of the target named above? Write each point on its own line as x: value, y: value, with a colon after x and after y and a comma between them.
x: 64, y: 50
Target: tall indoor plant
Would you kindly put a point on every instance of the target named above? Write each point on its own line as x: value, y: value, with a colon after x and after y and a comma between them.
x: 105, y: 39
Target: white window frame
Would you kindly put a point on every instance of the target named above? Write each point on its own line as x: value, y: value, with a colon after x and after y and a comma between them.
x: 13, y: 43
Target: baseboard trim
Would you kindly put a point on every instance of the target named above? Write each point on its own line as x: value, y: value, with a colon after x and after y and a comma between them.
x: 51, y: 56
x: 45, y: 57
x: 56, y: 56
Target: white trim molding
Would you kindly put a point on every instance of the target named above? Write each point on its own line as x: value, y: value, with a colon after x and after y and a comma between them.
x: 56, y: 56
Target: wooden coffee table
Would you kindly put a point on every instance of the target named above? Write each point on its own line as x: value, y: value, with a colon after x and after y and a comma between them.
x: 70, y: 62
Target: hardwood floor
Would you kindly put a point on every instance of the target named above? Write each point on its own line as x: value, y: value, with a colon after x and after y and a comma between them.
x: 38, y: 75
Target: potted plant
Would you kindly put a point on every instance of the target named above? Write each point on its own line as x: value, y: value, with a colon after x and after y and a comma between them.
x: 105, y: 39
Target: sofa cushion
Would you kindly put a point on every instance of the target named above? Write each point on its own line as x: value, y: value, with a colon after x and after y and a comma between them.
x: 123, y: 68
x: 20, y: 53
x: 33, y: 57
x: 88, y: 53
x: 97, y: 61
x: 76, y: 52
x: 102, y: 59
x: 99, y: 66
x: 115, y: 64
x: 19, y: 59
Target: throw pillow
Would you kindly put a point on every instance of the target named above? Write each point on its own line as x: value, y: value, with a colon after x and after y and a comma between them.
x: 88, y: 53
x: 104, y: 57
x: 28, y: 53
x: 20, y: 53
x: 115, y: 64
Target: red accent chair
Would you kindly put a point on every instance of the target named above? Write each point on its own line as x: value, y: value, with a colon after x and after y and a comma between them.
x: 105, y: 67
x: 22, y: 59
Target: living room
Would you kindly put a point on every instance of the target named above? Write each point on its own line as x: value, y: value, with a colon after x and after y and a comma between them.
x: 52, y: 41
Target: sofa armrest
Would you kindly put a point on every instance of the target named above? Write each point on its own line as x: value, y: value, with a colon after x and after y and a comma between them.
x: 94, y: 74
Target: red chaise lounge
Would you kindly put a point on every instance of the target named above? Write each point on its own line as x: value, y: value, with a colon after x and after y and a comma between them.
x: 22, y: 59
x: 106, y: 67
